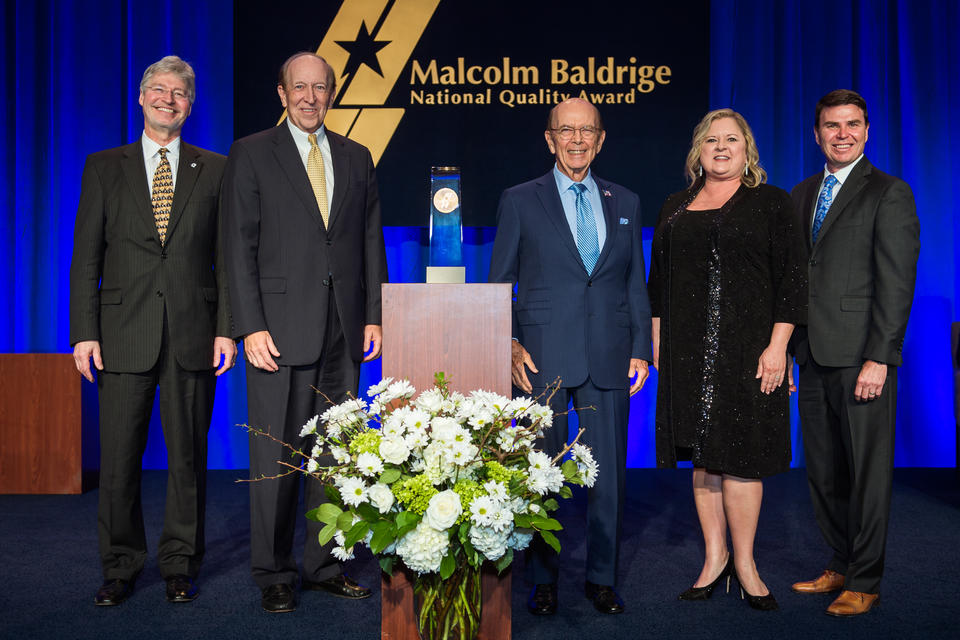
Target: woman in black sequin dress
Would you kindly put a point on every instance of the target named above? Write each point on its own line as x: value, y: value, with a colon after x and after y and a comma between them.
x: 727, y: 285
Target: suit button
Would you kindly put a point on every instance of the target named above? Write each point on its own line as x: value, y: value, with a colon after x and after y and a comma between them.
x: 163, y: 256
x: 329, y: 243
x: 589, y: 283
x: 326, y: 282
x: 159, y: 294
x: 813, y: 263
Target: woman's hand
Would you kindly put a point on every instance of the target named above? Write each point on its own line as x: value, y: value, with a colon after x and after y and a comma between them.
x: 771, y: 368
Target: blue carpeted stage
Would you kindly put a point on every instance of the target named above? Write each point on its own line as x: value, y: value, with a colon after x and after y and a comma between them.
x: 49, y: 551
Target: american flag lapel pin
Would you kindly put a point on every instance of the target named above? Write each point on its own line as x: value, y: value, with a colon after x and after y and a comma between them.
x: 607, y: 193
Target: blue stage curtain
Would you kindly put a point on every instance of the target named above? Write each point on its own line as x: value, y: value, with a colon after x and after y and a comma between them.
x: 70, y: 77
x: 772, y: 61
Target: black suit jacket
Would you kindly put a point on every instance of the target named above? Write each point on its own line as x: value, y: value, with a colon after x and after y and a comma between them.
x: 862, y: 269
x: 121, y: 277
x: 281, y: 259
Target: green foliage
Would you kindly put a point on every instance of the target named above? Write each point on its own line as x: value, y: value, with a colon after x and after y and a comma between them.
x: 406, y: 522
x: 345, y: 521
x: 551, y: 540
x: 504, y: 561
x: 326, y: 534
x: 327, y: 512
x: 386, y: 564
x: 390, y: 475
x: 570, y: 472
x: 447, y: 566
x: 356, y: 533
x: 467, y: 490
x: 384, y: 533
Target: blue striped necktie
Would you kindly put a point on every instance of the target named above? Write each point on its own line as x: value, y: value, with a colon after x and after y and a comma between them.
x: 823, y: 204
x: 587, y: 242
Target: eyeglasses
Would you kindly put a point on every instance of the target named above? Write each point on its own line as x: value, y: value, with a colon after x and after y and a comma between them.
x: 587, y: 133
x: 178, y: 94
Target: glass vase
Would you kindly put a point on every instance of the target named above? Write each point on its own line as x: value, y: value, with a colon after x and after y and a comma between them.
x: 448, y: 609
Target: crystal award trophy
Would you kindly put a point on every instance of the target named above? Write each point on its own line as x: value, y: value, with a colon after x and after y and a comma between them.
x: 446, y: 227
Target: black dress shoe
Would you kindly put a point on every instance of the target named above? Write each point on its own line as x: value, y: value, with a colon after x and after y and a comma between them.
x: 704, y: 593
x: 543, y: 600
x: 278, y: 598
x: 113, y: 592
x: 181, y: 589
x: 605, y: 599
x: 340, y: 586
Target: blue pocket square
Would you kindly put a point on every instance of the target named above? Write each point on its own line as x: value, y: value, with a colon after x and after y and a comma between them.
x: 624, y: 221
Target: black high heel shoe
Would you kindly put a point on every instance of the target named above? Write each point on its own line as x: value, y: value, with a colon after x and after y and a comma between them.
x: 704, y: 593
x: 760, y: 603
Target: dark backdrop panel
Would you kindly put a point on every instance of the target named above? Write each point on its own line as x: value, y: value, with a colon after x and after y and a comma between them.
x: 476, y: 88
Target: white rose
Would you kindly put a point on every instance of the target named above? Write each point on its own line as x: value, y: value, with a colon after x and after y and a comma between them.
x: 380, y: 497
x: 443, y: 510
x: 394, y: 450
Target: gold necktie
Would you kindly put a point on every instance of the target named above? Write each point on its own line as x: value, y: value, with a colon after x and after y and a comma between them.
x: 162, y: 195
x: 318, y: 178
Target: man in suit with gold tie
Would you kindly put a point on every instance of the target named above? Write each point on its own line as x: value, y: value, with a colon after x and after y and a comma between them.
x: 306, y: 259
x: 864, y: 239
x: 149, y: 309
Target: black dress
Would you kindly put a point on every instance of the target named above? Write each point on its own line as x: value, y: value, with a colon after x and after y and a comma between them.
x: 719, y: 280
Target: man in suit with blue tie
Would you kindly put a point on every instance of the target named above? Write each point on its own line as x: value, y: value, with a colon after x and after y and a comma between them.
x: 864, y: 241
x: 571, y: 242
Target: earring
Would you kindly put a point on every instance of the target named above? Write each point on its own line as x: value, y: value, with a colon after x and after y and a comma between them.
x: 746, y: 168
x: 701, y: 170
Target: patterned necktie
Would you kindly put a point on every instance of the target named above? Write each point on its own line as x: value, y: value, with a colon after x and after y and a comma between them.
x: 587, y: 242
x: 318, y: 178
x: 823, y: 204
x: 162, y: 195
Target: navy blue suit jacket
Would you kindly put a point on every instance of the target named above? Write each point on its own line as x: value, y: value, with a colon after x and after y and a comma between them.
x: 572, y: 323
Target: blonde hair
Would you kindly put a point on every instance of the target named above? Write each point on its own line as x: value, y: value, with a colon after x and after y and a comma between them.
x: 754, y: 174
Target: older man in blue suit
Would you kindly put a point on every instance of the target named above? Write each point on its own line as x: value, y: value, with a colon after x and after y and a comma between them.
x: 571, y: 242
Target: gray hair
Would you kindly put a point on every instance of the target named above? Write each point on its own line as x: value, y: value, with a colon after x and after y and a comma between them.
x: 176, y: 66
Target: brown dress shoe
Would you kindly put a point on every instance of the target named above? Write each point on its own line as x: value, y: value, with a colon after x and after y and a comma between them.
x: 827, y: 582
x: 852, y: 603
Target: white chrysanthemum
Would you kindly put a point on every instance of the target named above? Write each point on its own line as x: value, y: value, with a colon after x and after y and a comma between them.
x: 312, y: 465
x: 380, y: 497
x: 437, y: 463
x: 502, y: 519
x: 443, y: 510
x: 538, y: 460
x: 430, y: 401
x: 495, y: 489
x: 380, y: 387
x: 519, y: 539
x: 491, y: 543
x: 423, y: 549
x: 310, y: 427
x: 542, y: 476
x: 394, y: 450
x: 369, y: 464
x: 341, y: 455
x: 463, y: 453
x: 445, y: 429
x: 541, y: 415
x: 586, y: 465
x: 342, y: 554
x: 415, y: 419
x: 352, y: 490
x: 417, y: 439
x: 393, y: 424
x: 482, y: 510
x: 398, y: 389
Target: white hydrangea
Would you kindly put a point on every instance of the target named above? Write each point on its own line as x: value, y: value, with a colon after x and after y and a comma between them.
x: 369, y: 464
x: 310, y: 427
x: 491, y: 543
x: 381, y: 497
x: 443, y: 510
x: 423, y: 549
x: 394, y: 450
x: 519, y: 539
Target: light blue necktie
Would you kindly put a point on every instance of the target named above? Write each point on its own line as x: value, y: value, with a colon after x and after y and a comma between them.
x: 823, y: 204
x: 587, y: 243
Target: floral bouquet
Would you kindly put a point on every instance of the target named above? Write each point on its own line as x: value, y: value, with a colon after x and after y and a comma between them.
x: 441, y: 482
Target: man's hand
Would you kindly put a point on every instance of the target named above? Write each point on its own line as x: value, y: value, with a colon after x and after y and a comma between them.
x: 641, y: 370
x: 655, y: 333
x: 260, y: 350
x: 82, y: 352
x: 226, y: 348
x: 870, y: 381
x: 372, y: 341
x: 791, y: 385
x: 518, y: 373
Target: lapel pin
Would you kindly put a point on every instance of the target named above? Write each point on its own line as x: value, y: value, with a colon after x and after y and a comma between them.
x: 193, y: 165
x: 607, y: 193
x: 624, y: 221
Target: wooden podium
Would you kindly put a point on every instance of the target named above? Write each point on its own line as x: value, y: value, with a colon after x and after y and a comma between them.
x: 47, y: 442
x: 463, y: 330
